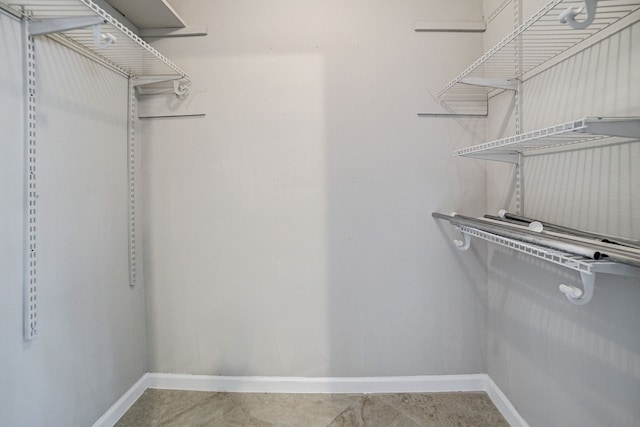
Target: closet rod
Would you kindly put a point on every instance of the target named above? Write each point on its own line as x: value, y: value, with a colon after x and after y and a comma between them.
x: 590, y: 250
x: 604, y: 238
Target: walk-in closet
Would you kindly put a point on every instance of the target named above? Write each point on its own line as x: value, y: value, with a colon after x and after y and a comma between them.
x: 320, y: 213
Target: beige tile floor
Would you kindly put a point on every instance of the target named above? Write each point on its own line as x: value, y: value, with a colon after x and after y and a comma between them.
x: 196, y: 408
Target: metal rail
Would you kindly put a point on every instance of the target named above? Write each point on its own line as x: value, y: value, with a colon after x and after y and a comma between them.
x: 604, y: 238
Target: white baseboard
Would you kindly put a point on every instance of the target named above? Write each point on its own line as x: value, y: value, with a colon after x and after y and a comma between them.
x: 122, y: 405
x: 504, y: 405
x: 412, y: 384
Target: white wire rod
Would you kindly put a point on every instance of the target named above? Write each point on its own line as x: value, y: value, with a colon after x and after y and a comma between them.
x: 81, y: 49
x: 497, y: 11
x: 548, y: 45
x: 543, y: 27
x: 564, y: 259
x: 548, y: 27
x: 129, y: 53
x: 11, y: 11
x: 574, y: 132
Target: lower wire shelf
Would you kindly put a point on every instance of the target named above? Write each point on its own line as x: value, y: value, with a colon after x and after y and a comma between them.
x: 574, y: 262
x: 585, y: 266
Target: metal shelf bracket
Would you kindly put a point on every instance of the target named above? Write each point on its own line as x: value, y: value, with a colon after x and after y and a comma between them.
x: 180, y: 88
x: 44, y: 26
x: 138, y: 81
x: 492, y: 82
x: 569, y: 15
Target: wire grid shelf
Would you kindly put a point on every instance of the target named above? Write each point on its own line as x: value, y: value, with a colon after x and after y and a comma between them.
x: 537, y: 40
x: 574, y: 262
x: 129, y: 54
x: 574, y: 132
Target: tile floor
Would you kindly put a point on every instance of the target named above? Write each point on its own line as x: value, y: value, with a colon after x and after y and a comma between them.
x: 197, y: 408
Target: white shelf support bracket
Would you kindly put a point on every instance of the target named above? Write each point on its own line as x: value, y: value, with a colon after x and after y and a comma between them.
x: 100, y: 39
x: 580, y: 296
x: 179, y: 87
x: 465, y: 244
x: 513, y: 158
x: 569, y: 15
x: 188, y: 31
x: 138, y: 81
x: 43, y: 26
x: 622, y: 127
x: 450, y: 27
x: 494, y: 82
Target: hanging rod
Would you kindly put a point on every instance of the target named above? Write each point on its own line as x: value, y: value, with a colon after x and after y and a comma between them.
x: 604, y: 238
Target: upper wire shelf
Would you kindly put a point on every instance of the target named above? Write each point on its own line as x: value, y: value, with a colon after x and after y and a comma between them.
x: 601, y: 129
x: 128, y: 53
x: 539, y: 39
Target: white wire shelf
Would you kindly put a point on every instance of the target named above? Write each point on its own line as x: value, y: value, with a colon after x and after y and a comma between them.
x: 564, y: 259
x: 588, y: 129
x: 539, y: 39
x: 129, y: 53
x: 547, y: 249
x: 573, y: 262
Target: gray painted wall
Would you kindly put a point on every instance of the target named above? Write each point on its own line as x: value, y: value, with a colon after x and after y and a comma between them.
x: 90, y: 346
x: 561, y: 364
x: 288, y: 232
